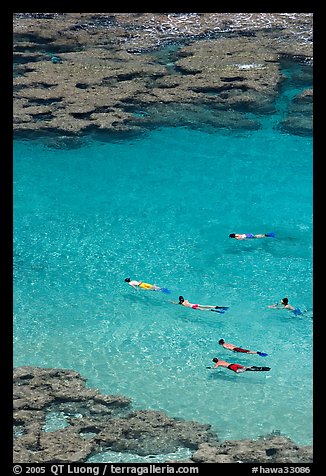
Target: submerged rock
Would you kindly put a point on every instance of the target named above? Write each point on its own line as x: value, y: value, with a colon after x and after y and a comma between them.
x: 268, y: 449
x: 77, y: 73
x: 299, y: 118
x: 93, y: 421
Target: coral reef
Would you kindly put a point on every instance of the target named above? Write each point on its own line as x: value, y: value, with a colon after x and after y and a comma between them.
x: 77, y: 73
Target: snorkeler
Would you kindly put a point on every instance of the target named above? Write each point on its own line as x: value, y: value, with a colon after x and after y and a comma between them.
x: 237, y: 368
x: 200, y: 307
x: 247, y: 236
x: 234, y: 348
x: 284, y: 304
x: 140, y: 284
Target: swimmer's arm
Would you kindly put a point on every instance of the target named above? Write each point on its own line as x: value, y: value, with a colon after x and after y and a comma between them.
x: 216, y: 365
x: 173, y: 302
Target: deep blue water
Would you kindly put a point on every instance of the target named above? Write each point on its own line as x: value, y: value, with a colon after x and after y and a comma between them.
x: 160, y: 208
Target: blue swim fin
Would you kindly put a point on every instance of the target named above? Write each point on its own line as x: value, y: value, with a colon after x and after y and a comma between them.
x: 297, y: 312
x: 271, y: 234
x: 262, y: 354
x: 165, y: 290
x: 220, y: 311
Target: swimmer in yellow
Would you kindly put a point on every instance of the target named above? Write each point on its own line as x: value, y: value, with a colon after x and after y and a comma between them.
x: 140, y: 284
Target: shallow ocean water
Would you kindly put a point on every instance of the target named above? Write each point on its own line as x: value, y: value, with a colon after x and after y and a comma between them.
x: 160, y: 208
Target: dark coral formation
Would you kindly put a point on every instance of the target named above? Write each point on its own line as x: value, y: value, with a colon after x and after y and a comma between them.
x: 269, y: 449
x: 127, y: 72
x: 96, y: 422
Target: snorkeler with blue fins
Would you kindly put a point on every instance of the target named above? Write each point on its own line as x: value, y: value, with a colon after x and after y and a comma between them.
x: 284, y: 304
x: 248, y: 236
x: 201, y: 307
x: 234, y: 348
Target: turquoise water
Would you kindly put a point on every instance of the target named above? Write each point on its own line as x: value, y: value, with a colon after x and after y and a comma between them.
x: 160, y: 208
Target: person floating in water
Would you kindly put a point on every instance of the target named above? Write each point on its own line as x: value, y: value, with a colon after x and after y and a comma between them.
x: 248, y: 236
x: 140, y: 284
x: 237, y: 368
x: 284, y: 304
x: 201, y: 307
x: 234, y: 348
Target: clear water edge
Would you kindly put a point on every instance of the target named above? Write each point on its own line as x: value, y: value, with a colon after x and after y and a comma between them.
x: 161, y: 208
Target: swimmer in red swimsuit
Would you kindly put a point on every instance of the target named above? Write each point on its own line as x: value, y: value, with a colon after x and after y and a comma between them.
x: 201, y: 307
x: 237, y: 368
x: 239, y: 349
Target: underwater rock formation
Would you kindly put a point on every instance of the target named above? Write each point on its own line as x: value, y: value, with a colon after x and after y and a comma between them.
x: 87, y: 422
x: 77, y: 73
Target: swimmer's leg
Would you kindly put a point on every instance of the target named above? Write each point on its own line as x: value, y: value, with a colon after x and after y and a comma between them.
x: 297, y: 311
x: 165, y: 290
x: 253, y: 368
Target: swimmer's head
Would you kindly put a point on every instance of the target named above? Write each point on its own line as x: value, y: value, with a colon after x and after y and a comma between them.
x: 215, y: 359
x: 232, y: 235
x: 221, y: 341
x: 181, y: 299
x: 127, y: 280
x: 285, y: 301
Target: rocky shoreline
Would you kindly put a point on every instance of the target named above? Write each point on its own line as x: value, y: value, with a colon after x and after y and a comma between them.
x: 95, y: 423
x: 125, y: 73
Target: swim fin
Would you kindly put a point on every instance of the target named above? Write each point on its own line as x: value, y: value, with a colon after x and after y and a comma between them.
x: 271, y: 234
x: 262, y: 354
x: 222, y: 307
x: 165, y: 290
x: 220, y: 311
x: 257, y: 369
x: 297, y: 312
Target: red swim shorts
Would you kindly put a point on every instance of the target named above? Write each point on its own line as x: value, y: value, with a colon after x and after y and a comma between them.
x: 238, y: 349
x: 236, y: 368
